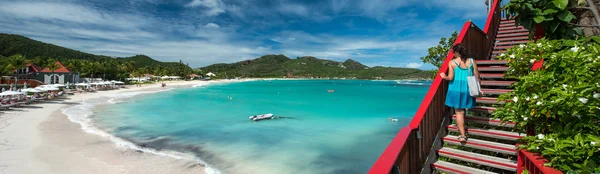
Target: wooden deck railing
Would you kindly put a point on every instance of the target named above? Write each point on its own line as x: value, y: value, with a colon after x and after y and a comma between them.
x: 413, y: 149
x: 534, y: 163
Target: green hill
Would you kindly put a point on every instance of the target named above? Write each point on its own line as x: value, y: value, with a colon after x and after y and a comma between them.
x: 11, y: 44
x: 280, y: 65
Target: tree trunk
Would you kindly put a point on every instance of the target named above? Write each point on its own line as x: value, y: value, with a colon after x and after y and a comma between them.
x: 586, y: 17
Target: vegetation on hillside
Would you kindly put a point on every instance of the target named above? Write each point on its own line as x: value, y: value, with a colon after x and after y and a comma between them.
x: 280, y: 65
x: 89, y: 65
x: 560, y: 103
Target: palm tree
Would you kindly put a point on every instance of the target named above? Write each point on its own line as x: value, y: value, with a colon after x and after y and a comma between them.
x: 16, y: 62
x: 52, y: 66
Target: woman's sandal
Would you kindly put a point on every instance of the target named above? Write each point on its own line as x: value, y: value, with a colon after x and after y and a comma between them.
x: 464, y: 138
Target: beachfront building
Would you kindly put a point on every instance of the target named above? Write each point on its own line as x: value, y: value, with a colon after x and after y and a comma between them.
x: 194, y: 76
x: 61, y: 75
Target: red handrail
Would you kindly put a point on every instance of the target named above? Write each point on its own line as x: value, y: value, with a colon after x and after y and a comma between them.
x: 534, y: 163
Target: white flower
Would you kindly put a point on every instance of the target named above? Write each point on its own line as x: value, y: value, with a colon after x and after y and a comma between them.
x: 521, y: 46
x: 532, y: 60
x: 538, y: 148
x: 551, y: 139
x: 539, y: 44
x: 512, y: 56
x: 596, y: 95
x: 515, y: 99
x: 525, y: 118
x: 578, y: 116
x: 564, y: 86
x: 575, y: 49
x: 535, y: 96
x: 593, y: 143
x: 527, y: 98
x: 540, y: 136
x: 583, y: 100
x: 539, y: 103
x: 502, y: 54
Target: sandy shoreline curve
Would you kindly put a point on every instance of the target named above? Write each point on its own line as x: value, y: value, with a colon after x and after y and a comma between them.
x: 39, y: 138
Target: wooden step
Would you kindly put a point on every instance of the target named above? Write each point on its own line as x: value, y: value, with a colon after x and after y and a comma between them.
x: 510, y: 27
x: 491, y: 133
x: 483, y: 109
x: 486, y: 121
x: 500, y: 163
x: 512, y: 35
x: 452, y: 168
x: 491, y: 62
x: 518, y: 38
x: 504, y: 21
x: 483, y: 145
x: 513, y: 31
x: 511, y: 42
x: 496, y: 47
x: 489, y: 100
x: 496, y: 83
x: 498, y: 52
x: 492, y: 68
x: 489, y: 75
x: 496, y: 91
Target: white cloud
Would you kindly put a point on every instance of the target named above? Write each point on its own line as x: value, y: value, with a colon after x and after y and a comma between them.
x: 414, y: 65
x: 296, y: 9
x: 211, y: 25
x: 215, y: 7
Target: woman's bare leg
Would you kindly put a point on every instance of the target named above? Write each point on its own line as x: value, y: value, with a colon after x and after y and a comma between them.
x: 460, y: 120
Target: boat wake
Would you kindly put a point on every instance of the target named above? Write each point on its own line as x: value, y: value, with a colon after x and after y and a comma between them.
x: 83, y: 112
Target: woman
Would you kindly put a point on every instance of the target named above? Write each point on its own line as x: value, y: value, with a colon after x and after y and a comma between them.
x: 458, y: 89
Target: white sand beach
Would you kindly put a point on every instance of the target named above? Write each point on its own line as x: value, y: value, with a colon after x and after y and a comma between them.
x: 39, y: 138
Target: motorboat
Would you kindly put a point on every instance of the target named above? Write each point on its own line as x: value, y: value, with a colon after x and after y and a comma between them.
x: 330, y: 91
x: 261, y: 117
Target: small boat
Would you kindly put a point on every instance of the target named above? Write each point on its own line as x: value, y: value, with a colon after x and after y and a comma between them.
x: 261, y: 117
x: 330, y: 90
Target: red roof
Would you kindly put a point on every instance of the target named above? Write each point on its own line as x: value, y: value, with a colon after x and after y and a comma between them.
x: 34, y: 67
x: 193, y: 75
x: 62, y: 68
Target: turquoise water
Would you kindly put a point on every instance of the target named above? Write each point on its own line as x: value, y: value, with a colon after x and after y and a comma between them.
x: 320, y: 132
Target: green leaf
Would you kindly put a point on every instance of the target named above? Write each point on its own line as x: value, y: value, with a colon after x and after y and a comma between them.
x: 539, y: 19
x: 550, y: 11
x: 566, y: 16
x: 561, y: 4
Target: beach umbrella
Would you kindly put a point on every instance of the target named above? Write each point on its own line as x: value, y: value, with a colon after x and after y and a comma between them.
x: 10, y: 93
x: 3, y: 89
x: 10, y: 88
x: 31, y: 90
x: 67, y: 84
x: 24, y: 85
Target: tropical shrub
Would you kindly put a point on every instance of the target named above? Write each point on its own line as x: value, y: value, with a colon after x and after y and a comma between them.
x: 560, y: 19
x: 560, y: 102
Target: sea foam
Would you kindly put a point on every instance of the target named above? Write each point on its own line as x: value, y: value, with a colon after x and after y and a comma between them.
x: 82, y: 113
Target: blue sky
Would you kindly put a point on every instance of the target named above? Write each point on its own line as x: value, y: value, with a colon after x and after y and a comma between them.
x: 202, y: 32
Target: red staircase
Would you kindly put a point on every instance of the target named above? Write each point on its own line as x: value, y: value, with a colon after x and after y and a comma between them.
x: 429, y: 143
x: 508, y: 36
x: 491, y: 147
